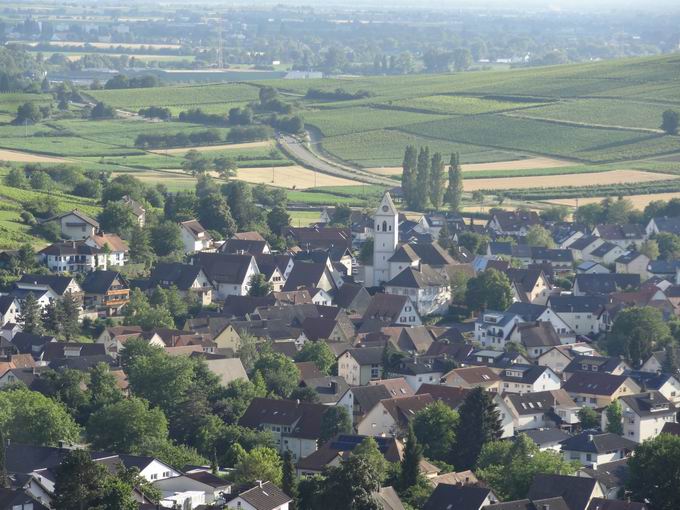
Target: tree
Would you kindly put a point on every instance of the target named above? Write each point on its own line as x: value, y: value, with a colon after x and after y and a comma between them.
x: 479, y: 423
x: 650, y: 248
x: 305, y: 394
x: 68, y: 310
x: 669, y: 245
x: 277, y: 220
x: 4, y: 478
x: 289, y: 482
x: 259, y: 286
x: 318, y: 352
x: 410, y: 463
x: 473, y: 242
x: 126, y: 426
x: 454, y: 189
x: 40, y: 180
x: 139, y: 312
x: 247, y: 352
x: 615, y: 418
x: 462, y: 59
x: 260, y: 463
x: 78, y: 482
x: 510, y: 467
x: 588, y: 418
x: 215, y: 214
x: 117, y: 217
x: 654, y: 472
x: 436, y: 180
x: 65, y: 386
x: 408, y: 174
x: 670, y: 363
x: 16, y: 178
x: 141, y: 251
x: 555, y: 213
x: 225, y: 166
x: 435, y: 428
x: 368, y: 450
x: 636, y: 332
x: 350, y: 486
x: 166, y: 238
x: 29, y: 417
x: 102, y: 389
x: 102, y: 111
x: 31, y: 316
x: 28, y: 113
x: 422, y: 191
x: 669, y: 122
x: 279, y: 373
x: 335, y: 420
x: 490, y: 290
x: 540, y: 236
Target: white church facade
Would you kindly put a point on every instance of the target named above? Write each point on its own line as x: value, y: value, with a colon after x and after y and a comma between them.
x: 385, y: 239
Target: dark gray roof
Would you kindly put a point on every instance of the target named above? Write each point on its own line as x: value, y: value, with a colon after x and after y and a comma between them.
x: 99, y: 282
x: 529, y: 373
x: 329, y: 388
x: 606, y: 283
x: 223, y: 267
x: 418, y: 279
x: 265, y: 497
x: 250, y: 246
x: 57, y: 283
x: 586, y: 364
x: 598, y: 443
x: 368, y: 396
x: 621, y: 232
x: 577, y: 304
x: 385, y: 307
x: 532, y: 403
x: 546, y: 437
x: 594, y: 383
x: 552, y: 254
x: 28, y: 343
x: 367, y: 355
x: 615, y: 504
x: 525, y: 504
x: 305, y: 275
x: 650, y: 403
x: 538, y: 334
x: 576, y: 491
x: 454, y: 497
x: 180, y: 275
x: 306, y: 417
x: 529, y: 312
x: 582, y: 242
x: 668, y: 224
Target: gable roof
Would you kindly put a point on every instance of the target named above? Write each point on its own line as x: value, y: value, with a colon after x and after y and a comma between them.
x: 538, y: 334
x: 386, y: 307
x: 614, y: 504
x: 78, y: 214
x: 421, y: 278
x: 452, y: 397
x: 577, y: 304
x: 265, y: 496
x: 598, y: 443
x: 58, y: 283
x: 621, y: 232
x: 114, y: 242
x: 649, y: 403
x: 595, y: 383
x: 304, y: 416
x: 100, y: 281
x: 180, y: 275
x: 223, y: 267
x: 511, y: 221
x: 454, y: 497
x: 576, y: 491
x: 475, y: 375
x: 306, y: 275
x: 253, y: 247
x: 583, y: 242
x: 193, y: 227
x: 605, y: 283
x: 367, y: 355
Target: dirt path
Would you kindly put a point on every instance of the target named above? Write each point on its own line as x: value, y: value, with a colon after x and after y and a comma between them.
x: 28, y: 157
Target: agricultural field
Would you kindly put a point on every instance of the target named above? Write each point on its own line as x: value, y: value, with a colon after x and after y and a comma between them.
x: 500, y: 167
x: 27, y: 157
x: 638, y: 201
x: 386, y: 148
x: 459, y: 105
x: 64, y: 146
x: 304, y: 218
x: 344, y: 121
x: 193, y: 96
x: 9, y: 102
x: 291, y: 177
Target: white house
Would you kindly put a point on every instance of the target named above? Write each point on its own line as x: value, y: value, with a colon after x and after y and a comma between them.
x: 582, y: 314
x: 264, y: 496
x: 73, y: 257
x: 361, y: 365
x: 9, y: 309
x: 590, y: 449
x: 493, y: 329
x: 519, y: 378
x: 76, y: 225
x: 427, y: 288
x: 114, y: 249
x: 390, y: 417
x: 644, y: 415
x: 229, y: 274
x: 194, y: 236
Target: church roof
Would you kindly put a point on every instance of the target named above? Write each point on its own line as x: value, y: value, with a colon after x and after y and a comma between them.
x: 386, y: 205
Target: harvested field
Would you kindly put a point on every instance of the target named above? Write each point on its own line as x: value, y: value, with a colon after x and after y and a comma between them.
x: 639, y: 201
x: 208, y: 148
x: 519, y: 164
x: 292, y: 177
x: 27, y: 157
x: 602, y: 178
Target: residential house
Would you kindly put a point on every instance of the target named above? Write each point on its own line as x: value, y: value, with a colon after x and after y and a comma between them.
x: 632, y: 262
x: 592, y: 267
x: 463, y: 497
x: 274, y: 269
x: 194, y: 236
x: 536, y: 337
x: 606, y: 254
x: 645, y: 414
x: 666, y: 384
x: 419, y: 254
x: 576, y: 491
x: 599, y: 389
x: 29, y: 343
x: 557, y: 358
x: 392, y: 416
x: 513, y: 223
x: 591, y: 450
x: 604, y: 284
x: 583, y: 246
x: 611, y: 476
x: 473, y: 377
x: 593, y: 363
x: 188, y: 279
x: 9, y: 310
x: 493, y: 329
x: 138, y: 210
x: 624, y: 235
x: 609, y: 504
x: 264, y: 496
x: 670, y: 225
x: 73, y: 257
x: 655, y: 362
x: 529, y: 285
x: 106, y: 291
x: 359, y: 400
x: 427, y: 288
x: 360, y: 365
x: 585, y: 315
x: 561, y: 259
x: 391, y: 310
x: 519, y: 378
x: 353, y: 298
x: 113, y: 248
x: 114, y: 338
x: 75, y: 225
x: 245, y: 246
x: 421, y: 370
x: 530, y: 312
x: 329, y: 388
x: 230, y: 275
x: 309, y: 276
x: 295, y: 425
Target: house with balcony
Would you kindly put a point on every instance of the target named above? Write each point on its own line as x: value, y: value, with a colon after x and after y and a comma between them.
x: 645, y: 414
x: 106, y: 291
x: 591, y: 450
x: 113, y: 248
x: 188, y: 279
x: 493, y: 329
x: 73, y: 257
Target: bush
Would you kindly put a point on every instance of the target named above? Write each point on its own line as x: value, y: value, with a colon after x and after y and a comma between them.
x: 154, y: 112
x: 248, y: 134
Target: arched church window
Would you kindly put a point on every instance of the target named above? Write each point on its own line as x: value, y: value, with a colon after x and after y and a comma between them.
x: 384, y: 226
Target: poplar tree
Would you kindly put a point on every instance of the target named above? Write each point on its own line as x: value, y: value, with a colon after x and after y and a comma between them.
x: 69, y: 310
x: 422, y: 191
x: 410, y: 464
x: 408, y: 173
x: 436, y: 180
x: 454, y: 190
x: 479, y: 423
x: 289, y: 483
x: 30, y: 317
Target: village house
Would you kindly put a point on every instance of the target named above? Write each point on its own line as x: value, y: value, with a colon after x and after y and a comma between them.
x: 585, y: 315
x: 230, y: 275
x: 73, y: 257
x: 427, y: 288
x: 264, y: 496
x: 632, y: 262
x: 392, y: 416
x: 599, y: 389
x: 75, y: 225
x: 558, y: 357
x: 541, y: 409
x: 113, y: 248
x: 391, y: 310
x: 536, y: 337
x: 529, y: 285
x: 493, y: 329
x: 106, y: 291
x: 189, y: 280
x: 137, y: 209
x: 645, y: 414
x: 666, y: 384
x: 513, y: 223
x: 528, y: 379
x: 9, y: 309
x: 194, y: 236
x: 591, y: 450
x: 473, y: 377
x: 583, y: 246
x: 360, y: 365
x: 624, y: 235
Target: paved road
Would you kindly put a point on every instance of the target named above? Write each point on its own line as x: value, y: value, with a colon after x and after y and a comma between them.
x: 302, y: 154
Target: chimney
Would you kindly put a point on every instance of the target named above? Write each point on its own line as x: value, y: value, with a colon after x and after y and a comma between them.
x: 545, y: 506
x: 590, y: 438
x: 259, y: 483
x: 297, y: 402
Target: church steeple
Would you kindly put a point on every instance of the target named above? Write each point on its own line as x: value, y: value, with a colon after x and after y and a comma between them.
x: 385, y: 238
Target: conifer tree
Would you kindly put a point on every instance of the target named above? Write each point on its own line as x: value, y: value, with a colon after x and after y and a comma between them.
x: 141, y: 251
x: 436, y: 180
x: 479, y: 423
x: 69, y: 310
x: 50, y: 318
x: 454, y: 190
x: 289, y: 483
x: 422, y: 191
x: 31, y: 317
x: 410, y: 464
x: 408, y: 173
x: 4, y: 480
x: 670, y: 361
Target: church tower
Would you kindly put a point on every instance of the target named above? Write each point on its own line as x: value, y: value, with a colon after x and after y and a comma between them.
x: 385, y: 238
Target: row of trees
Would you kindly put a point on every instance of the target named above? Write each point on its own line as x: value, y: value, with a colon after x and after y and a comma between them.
x: 424, y: 184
